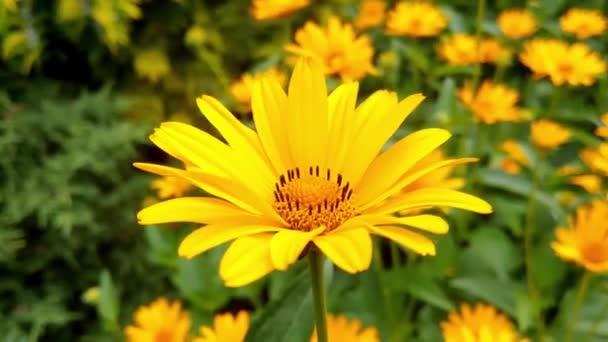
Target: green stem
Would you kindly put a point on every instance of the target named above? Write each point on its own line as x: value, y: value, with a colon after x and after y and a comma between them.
x: 554, y: 103
x: 315, y: 262
x: 481, y: 9
x: 580, y: 295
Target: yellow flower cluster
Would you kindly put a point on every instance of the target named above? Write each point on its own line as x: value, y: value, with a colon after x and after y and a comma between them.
x: 491, y: 103
x: 462, y: 49
x: 415, y: 19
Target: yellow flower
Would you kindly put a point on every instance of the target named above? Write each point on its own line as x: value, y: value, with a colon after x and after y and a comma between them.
x: 8, y: 5
x: 583, y: 23
x: 440, y: 178
x: 152, y: 64
x: 226, y: 328
x: 68, y: 10
x: 603, y: 131
x: 340, y: 328
x: 548, y: 134
x: 272, y: 9
x: 169, y: 186
x: 113, y: 17
x: 159, y: 321
x: 585, y: 242
x: 195, y: 36
x: 482, y: 323
x: 337, y: 48
x: 515, y: 152
x: 574, y: 64
x: 596, y: 159
x: 590, y: 182
x: 313, y: 174
x: 463, y: 48
x: 241, y: 89
x: 516, y: 23
x: 510, y: 166
x: 568, y: 170
x: 492, y: 103
x: 415, y: 19
x: 371, y: 13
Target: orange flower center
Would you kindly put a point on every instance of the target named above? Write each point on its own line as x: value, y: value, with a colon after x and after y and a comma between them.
x: 308, y: 199
x: 595, y: 252
x: 565, y: 68
x: 163, y: 336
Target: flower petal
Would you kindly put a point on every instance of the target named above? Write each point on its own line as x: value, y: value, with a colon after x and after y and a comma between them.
x: 287, y: 245
x: 406, y: 238
x: 342, y: 102
x: 247, y: 260
x: 348, y: 248
x: 210, y: 236
x: 432, y: 197
x: 430, y: 223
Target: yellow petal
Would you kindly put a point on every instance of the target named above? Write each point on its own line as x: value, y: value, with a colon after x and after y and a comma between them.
x: 348, y: 248
x: 429, y: 223
x: 342, y: 103
x: 388, y: 167
x: 307, y: 116
x: 246, y: 260
x: 406, y: 238
x: 287, y: 245
x: 205, y: 238
x: 432, y: 197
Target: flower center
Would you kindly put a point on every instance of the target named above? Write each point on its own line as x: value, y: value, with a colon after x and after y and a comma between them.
x: 308, y: 199
x: 163, y: 336
x: 565, y: 68
x: 595, y: 252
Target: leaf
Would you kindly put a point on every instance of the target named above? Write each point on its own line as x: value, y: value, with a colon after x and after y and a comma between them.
x: 289, y: 318
x: 492, y: 249
x: 420, y: 281
x: 108, y: 306
x: 500, y: 293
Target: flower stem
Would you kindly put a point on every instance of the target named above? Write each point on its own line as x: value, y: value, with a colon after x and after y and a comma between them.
x: 555, y: 95
x: 315, y: 262
x: 580, y: 295
x: 481, y: 9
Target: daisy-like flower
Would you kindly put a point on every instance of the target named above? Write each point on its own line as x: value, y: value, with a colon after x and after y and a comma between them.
x: 312, y: 175
x: 516, y: 157
x: 583, y: 23
x: 516, y: 23
x: 463, y: 49
x: 340, y: 328
x: 272, y: 9
x: 226, y: 328
x: 152, y: 64
x: 596, y: 158
x: 371, y: 13
x: 159, y: 321
x: 548, y: 134
x: 590, y: 182
x: 337, y: 48
x: 603, y: 131
x: 167, y: 187
x: 482, y: 323
x: 242, y: 88
x: 491, y: 103
x: 585, y: 242
x: 574, y: 64
x: 415, y: 19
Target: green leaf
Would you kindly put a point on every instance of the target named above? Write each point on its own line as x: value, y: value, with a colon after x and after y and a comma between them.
x: 289, y: 318
x: 108, y: 306
x: 500, y: 293
x: 492, y: 249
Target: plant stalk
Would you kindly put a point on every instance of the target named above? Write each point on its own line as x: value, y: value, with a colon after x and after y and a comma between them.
x: 315, y: 262
x: 580, y: 295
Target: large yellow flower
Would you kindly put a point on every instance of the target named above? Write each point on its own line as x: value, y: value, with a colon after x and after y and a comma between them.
x: 226, y: 328
x: 340, y: 328
x: 371, y: 13
x: 337, y: 48
x: 440, y: 177
x: 159, y: 321
x: 415, y: 19
x: 585, y: 242
x: 574, y: 64
x: 516, y: 23
x: 271, y: 9
x: 242, y: 88
x: 463, y: 48
x: 482, y: 323
x: 583, y: 23
x: 491, y: 103
x: 548, y: 134
x: 312, y: 175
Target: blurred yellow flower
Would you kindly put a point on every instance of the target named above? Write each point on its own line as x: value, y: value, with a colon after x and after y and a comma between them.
x: 596, y: 158
x: 590, y: 182
x: 517, y: 23
x: 195, y: 36
x: 514, y: 150
x: 242, y: 88
x: 168, y: 187
x: 272, y: 9
x: 415, y: 19
x: 114, y: 17
x: 585, y: 241
x: 91, y: 295
x: 159, y: 321
x: 68, y: 10
x: 548, y: 134
x: 8, y: 5
x: 440, y: 178
x: 510, y: 166
x: 14, y: 43
x: 312, y: 175
x: 491, y: 103
x: 568, y: 170
x: 583, y: 23
x: 574, y: 64
x: 463, y: 48
x: 226, y: 328
x: 340, y: 328
x: 337, y: 48
x: 603, y: 131
x: 371, y: 13
x: 482, y: 323
x: 152, y: 64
